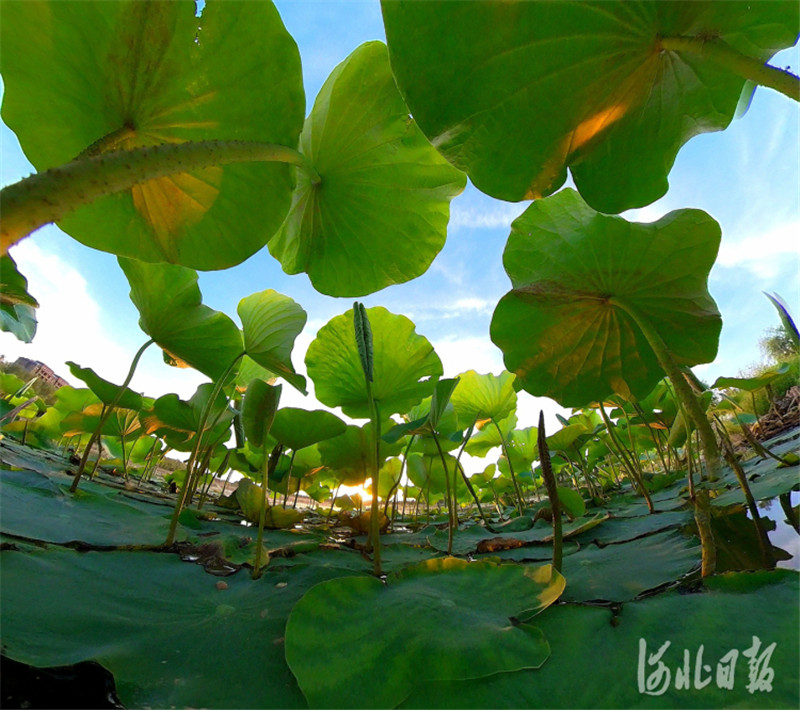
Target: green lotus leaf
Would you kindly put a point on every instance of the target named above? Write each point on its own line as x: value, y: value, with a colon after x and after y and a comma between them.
x: 69, y: 616
x: 72, y: 399
x: 571, y: 502
x: 379, y: 215
x: 105, y: 390
x: 17, y: 306
x: 624, y: 529
x: 389, y: 475
x: 348, y: 454
x: 479, y: 397
x: 298, y: 428
x: 172, y: 313
x: 564, y: 438
x: 121, y: 422
x: 753, y: 599
x: 449, y: 639
x: 124, y: 75
x: 621, y: 572
x: 250, y: 370
x: 10, y: 384
x: 523, y: 447
x: 514, y: 93
x: 405, y: 365
x: 566, y: 328
x: 270, y: 324
x: 751, y: 384
x: 171, y: 416
x: 486, y: 438
x: 426, y: 471
x: 258, y: 411
x: 39, y: 508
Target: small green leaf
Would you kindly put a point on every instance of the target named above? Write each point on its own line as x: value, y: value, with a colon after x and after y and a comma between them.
x: 270, y: 324
x: 172, y: 313
x: 751, y: 384
x: 105, y: 390
x: 258, y: 411
x: 17, y: 306
x: 571, y: 501
x: 480, y: 397
x: 298, y: 428
x: 786, y: 319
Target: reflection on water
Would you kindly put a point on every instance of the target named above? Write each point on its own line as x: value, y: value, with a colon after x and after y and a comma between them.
x: 784, y: 536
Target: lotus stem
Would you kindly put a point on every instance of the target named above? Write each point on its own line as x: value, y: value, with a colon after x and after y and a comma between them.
x: 682, y: 389
x: 270, y: 464
x: 107, y: 412
x: 51, y: 195
x: 520, y: 503
x: 173, y: 525
x: 720, y: 53
x: 450, y: 510
x: 629, y: 465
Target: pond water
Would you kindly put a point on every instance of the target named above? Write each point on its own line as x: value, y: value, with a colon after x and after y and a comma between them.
x: 784, y: 536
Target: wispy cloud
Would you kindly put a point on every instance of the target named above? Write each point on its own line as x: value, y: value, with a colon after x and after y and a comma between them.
x: 765, y: 254
x: 71, y: 328
x: 492, y: 216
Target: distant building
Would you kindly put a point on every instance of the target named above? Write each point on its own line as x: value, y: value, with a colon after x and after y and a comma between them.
x: 40, y: 370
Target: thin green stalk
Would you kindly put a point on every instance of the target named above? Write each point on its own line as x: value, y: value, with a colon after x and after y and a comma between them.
x: 53, y: 194
x: 763, y: 539
x: 99, y: 455
x: 270, y: 464
x: 759, y: 448
x: 520, y: 503
x: 107, y: 412
x: 333, y: 501
x: 173, y: 525
x: 223, y: 465
x: 374, y: 521
x: 584, y: 469
x: 640, y: 412
x: 681, y: 387
x: 468, y: 483
x: 629, y: 465
x: 450, y: 511
x: 396, y: 485
x: 720, y: 53
x: 289, y: 480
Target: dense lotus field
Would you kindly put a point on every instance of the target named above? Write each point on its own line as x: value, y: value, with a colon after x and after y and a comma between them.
x: 629, y: 568
x: 187, y: 626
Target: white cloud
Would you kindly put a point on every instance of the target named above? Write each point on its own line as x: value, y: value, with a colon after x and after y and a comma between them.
x: 764, y: 254
x: 495, y: 215
x: 71, y: 328
x: 69, y: 318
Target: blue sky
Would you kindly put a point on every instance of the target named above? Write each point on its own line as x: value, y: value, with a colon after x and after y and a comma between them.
x: 747, y: 177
